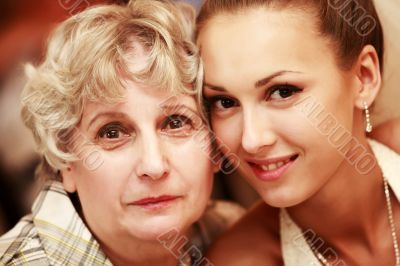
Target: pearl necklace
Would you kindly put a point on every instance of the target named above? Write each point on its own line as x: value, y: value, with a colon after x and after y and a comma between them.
x: 325, y: 262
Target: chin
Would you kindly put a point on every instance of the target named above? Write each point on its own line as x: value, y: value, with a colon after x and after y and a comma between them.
x: 281, y: 198
x: 153, y: 229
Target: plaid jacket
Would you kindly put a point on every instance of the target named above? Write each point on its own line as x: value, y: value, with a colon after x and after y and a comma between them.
x: 55, y: 235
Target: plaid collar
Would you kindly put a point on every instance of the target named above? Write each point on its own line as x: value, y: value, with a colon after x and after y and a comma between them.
x: 65, y: 237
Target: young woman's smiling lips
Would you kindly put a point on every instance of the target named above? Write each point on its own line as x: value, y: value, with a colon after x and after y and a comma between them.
x: 273, y: 168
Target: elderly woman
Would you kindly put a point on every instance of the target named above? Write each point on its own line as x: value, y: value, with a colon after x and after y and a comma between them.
x: 126, y: 150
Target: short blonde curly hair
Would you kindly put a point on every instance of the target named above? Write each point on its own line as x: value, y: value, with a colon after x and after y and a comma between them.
x: 87, y: 57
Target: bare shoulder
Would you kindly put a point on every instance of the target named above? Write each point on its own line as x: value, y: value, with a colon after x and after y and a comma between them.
x: 253, y: 240
x: 388, y: 133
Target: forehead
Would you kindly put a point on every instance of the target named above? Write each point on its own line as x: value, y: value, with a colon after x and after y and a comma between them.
x: 255, y: 42
x: 141, y: 103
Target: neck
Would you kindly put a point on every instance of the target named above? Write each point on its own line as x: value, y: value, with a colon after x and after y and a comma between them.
x: 350, y: 206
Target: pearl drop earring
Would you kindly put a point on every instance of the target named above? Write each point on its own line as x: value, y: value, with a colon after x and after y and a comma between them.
x: 368, y: 127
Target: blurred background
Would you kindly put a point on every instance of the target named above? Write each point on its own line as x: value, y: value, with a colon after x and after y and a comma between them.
x: 24, y: 26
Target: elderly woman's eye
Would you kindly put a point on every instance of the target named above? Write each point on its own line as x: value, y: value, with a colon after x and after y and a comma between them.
x: 112, y: 136
x: 177, y: 125
x: 112, y: 132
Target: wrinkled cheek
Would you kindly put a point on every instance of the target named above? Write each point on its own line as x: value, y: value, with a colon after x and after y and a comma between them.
x: 204, y: 192
x: 205, y: 174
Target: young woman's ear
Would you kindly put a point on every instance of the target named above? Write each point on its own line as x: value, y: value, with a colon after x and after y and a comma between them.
x: 68, y: 179
x: 368, y: 73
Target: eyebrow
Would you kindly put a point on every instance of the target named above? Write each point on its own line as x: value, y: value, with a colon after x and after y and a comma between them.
x: 260, y: 83
x: 106, y: 114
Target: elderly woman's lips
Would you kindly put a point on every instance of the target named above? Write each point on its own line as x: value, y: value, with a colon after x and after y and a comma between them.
x: 155, y: 200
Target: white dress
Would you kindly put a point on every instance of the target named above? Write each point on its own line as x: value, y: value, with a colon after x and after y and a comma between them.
x: 295, y: 250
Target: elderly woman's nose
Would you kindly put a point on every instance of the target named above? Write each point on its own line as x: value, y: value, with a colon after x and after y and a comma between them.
x: 153, y: 162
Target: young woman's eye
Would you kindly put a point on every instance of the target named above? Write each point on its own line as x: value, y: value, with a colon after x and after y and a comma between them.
x: 222, y: 102
x: 282, y: 92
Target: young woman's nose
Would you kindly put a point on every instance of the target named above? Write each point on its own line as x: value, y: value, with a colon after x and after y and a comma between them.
x: 257, y: 132
x: 153, y: 162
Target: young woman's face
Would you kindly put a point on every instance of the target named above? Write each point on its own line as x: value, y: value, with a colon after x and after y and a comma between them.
x: 259, y: 65
x: 152, y: 175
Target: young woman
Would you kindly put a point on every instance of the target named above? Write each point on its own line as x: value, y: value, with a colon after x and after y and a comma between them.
x: 114, y: 114
x: 289, y: 86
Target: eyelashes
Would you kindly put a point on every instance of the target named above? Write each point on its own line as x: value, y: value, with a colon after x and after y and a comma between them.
x: 111, y: 131
x: 276, y: 94
x: 220, y: 102
x: 178, y: 125
x: 280, y: 92
x: 117, y: 133
x: 113, y: 135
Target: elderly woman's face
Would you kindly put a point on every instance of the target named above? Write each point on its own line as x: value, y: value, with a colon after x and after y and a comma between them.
x: 153, y: 172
